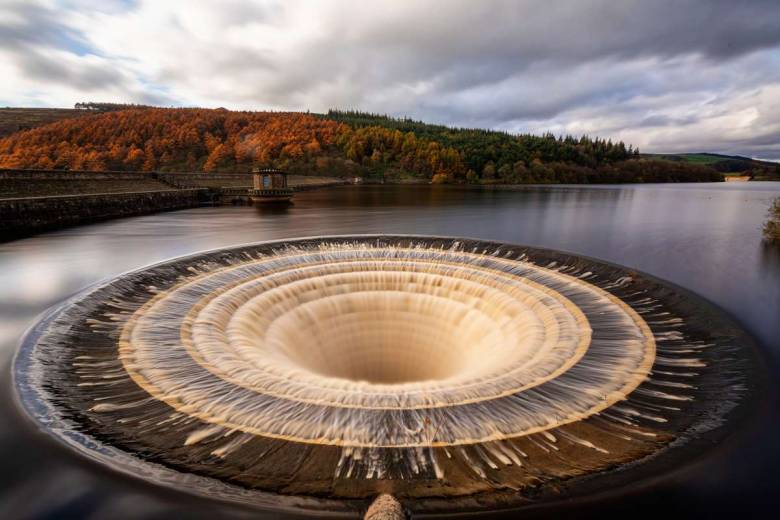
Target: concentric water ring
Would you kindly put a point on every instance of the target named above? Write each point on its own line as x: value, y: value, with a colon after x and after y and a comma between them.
x: 377, y: 359
x: 275, y: 330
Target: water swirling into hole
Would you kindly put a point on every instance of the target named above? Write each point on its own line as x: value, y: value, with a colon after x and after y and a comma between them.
x: 343, y: 367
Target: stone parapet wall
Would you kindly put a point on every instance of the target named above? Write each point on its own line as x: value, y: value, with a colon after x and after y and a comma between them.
x: 206, y: 180
x: 35, y: 175
x: 25, y: 216
x: 32, y: 201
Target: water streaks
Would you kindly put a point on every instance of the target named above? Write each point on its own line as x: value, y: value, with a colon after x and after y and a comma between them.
x: 348, y: 366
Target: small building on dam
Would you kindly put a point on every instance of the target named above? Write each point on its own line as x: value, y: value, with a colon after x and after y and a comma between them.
x: 270, y: 185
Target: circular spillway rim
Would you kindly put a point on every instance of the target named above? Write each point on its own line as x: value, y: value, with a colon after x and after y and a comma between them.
x: 34, y: 404
x: 609, y: 399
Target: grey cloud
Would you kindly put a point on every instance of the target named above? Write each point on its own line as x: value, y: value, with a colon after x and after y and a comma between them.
x: 461, y: 47
x: 663, y: 120
x: 36, y: 37
x: 498, y: 38
x: 37, y: 25
x: 239, y: 12
x: 47, y: 68
x: 608, y: 67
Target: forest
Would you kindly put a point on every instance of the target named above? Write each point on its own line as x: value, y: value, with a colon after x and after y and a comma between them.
x: 499, y: 157
x: 339, y: 143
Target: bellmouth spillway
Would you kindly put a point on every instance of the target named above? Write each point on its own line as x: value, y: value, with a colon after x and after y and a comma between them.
x: 331, y: 369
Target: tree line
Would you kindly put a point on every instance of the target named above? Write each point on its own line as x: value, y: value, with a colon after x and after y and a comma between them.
x: 207, y: 140
x: 337, y: 143
x: 106, y: 107
x: 491, y: 156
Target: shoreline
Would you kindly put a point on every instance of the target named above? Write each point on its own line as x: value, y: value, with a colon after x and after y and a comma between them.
x: 24, y: 216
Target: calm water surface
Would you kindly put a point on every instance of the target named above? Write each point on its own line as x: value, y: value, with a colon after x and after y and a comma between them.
x: 705, y: 237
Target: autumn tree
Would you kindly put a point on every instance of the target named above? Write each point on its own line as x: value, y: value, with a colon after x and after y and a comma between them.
x: 339, y: 143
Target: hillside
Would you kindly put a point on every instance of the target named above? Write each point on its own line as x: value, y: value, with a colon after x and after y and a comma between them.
x: 337, y: 143
x: 220, y: 140
x: 500, y: 157
x: 483, y: 148
x: 18, y: 119
x: 728, y: 164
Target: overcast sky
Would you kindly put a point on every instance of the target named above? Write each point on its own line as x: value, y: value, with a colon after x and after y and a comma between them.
x: 667, y: 76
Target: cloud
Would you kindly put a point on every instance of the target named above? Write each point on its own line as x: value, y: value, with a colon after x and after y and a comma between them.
x: 48, y: 62
x: 665, y: 75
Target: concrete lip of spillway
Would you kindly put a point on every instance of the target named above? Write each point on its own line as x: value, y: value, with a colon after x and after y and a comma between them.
x: 315, y: 374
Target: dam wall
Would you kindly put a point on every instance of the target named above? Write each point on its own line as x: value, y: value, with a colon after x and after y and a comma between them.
x: 28, y: 215
x: 32, y: 201
x: 229, y: 182
x: 205, y: 180
x: 12, y: 174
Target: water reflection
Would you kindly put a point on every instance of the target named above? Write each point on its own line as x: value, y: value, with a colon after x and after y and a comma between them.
x: 770, y: 258
x: 272, y: 209
x: 704, y: 237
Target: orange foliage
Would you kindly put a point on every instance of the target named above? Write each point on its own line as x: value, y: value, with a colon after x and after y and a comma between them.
x: 151, y: 139
x: 190, y: 139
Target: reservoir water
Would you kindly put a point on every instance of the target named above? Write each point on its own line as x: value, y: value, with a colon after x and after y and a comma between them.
x: 704, y: 237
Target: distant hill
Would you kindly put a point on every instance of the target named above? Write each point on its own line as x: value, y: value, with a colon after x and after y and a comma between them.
x: 727, y: 164
x: 190, y: 139
x: 17, y: 119
x: 102, y: 136
x: 501, y: 157
x: 495, y: 149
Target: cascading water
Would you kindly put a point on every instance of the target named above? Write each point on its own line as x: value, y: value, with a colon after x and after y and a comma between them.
x: 344, y: 367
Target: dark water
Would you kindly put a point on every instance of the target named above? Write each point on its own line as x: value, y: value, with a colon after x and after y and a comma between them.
x: 706, y: 238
